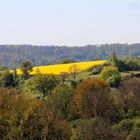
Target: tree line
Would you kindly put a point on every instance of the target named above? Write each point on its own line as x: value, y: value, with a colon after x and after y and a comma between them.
x: 13, y: 55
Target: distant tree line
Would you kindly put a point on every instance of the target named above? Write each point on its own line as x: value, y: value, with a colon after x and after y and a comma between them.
x: 13, y: 55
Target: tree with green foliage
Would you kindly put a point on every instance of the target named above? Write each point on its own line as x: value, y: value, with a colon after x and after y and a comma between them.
x: 112, y: 75
x: 40, y: 85
x: 131, y: 64
x: 7, y: 79
x: 114, y: 60
x: 61, y: 100
x: 26, y: 68
x: 129, y: 97
x: 67, y: 61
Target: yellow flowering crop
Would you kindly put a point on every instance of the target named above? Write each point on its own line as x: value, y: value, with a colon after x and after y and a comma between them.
x: 59, y: 68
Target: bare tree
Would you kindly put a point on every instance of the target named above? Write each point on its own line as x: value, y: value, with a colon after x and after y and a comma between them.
x: 63, y: 75
x: 74, y: 70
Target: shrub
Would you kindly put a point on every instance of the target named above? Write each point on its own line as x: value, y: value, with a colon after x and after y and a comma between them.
x: 112, y: 75
x: 114, y: 80
x: 96, y: 71
x: 7, y: 79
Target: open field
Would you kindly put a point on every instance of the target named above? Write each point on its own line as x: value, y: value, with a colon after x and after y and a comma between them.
x: 59, y: 68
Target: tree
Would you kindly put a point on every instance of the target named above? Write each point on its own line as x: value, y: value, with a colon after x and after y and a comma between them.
x: 63, y: 75
x: 92, y: 99
x: 15, y: 77
x: 61, y: 100
x: 129, y: 97
x: 23, y: 117
x: 114, y: 80
x: 7, y: 79
x: 112, y: 75
x: 114, y: 60
x: 40, y: 85
x: 67, y: 61
x: 26, y: 68
x: 92, y: 129
x: 74, y: 70
x: 131, y: 64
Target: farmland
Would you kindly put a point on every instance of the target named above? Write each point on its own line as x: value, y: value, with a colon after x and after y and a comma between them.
x: 59, y: 68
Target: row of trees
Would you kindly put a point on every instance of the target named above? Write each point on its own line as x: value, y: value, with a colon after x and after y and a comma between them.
x: 13, y: 55
x: 113, y: 70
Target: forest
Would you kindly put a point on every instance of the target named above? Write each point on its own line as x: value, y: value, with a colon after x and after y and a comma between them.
x: 13, y: 55
x: 104, y: 104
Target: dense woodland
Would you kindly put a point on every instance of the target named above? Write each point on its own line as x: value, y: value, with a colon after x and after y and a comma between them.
x: 105, y: 105
x: 13, y: 55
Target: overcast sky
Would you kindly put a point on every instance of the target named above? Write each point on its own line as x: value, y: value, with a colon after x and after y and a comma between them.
x: 69, y: 22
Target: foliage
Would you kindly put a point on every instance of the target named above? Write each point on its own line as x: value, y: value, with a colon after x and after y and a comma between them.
x: 92, y: 99
x: 67, y: 61
x: 112, y: 75
x: 131, y: 64
x: 74, y: 69
x: 74, y: 84
x: 40, y: 85
x: 108, y: 71
x: 114, y: 80
x: 129, y: 97
x: 23, y: 117
x: 61, y: 100
x: 47, y: 107
x: 7, y: 79
x: 26, y: 68
x: 91, y: 129
x: 44, y: 55
x: 96, y: 71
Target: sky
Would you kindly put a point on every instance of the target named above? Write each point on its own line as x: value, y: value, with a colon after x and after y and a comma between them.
x: 69, y: 22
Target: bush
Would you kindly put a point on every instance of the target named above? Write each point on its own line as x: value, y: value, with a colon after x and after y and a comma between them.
x: 7, y: 79
x: 98, y: 67
x: 114, y: 80
x: 96, y: 71
x: 132, y: 64
x: 74, y: 84
x: 112, y: 75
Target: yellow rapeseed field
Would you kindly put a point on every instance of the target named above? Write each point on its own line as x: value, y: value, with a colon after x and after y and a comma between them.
x: 59, y: 68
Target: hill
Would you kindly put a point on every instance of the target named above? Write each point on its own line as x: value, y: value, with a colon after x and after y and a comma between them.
x: 13, y: 55
x: 59, y: 68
